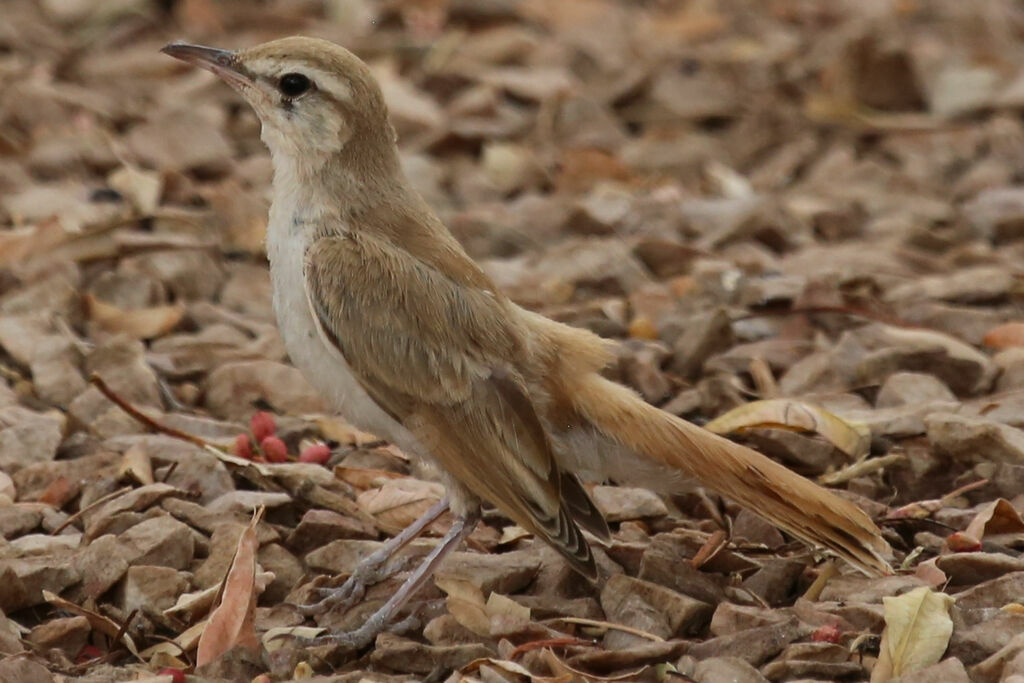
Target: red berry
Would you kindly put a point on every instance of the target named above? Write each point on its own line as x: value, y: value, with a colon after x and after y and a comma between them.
x: 88, y: 652
x: 318, y: 453
x: 177, y: 675
x: 262, y: 425
x: 243, y: 446
x: 826, y: 634
x: 274, y: 449
x: 961, y: 542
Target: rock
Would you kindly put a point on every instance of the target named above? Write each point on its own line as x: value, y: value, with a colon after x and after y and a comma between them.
x: 504, y: 573
x: 949, y: 670
x: 28, y: 437
x: 968, y: 569
x: 890, y: 350
x: 860, y: 589
x: 651, y: 608
x: 342, y: 556
x: 997, y: 214
x: 666, y: 562
x: 233, y: 389
x: 394, y: 653
x: 319, y: 527
x: 776, y: 581
x: 703, y: 335
x: 17, y: 519
x: 23, y: 670
x: 912, y: 388
x: 288, y: 571
x: 161, y: 541
x: 755, y: 645
x: 978, y: 285
x: 972, y: 440
x: 992, y: 593
x: 992, y: 629
x: 752, y: 528
x: 102, y: 562
x: 1011, y: 369
x: 732, y: 669
x: 67, y: 634
x: 23, y: 580
x: 730, y: 618
x: 544, y: 607
x: 34, y: 479
x: 621, y: 503
x: 150, y: 589
x: 799, y: 669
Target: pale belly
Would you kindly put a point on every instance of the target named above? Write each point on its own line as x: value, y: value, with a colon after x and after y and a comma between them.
x: 319, y: 360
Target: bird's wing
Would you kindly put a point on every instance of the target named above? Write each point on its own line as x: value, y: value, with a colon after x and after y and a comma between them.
x: 440, y: 357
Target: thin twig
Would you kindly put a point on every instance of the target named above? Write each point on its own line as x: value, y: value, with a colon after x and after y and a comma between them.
x: 88, y: 508
x: 610, y: 626
x: 550, y: 642
x: 861, y: 468
x: 143, y: 418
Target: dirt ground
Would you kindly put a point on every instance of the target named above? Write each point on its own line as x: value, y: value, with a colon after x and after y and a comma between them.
x: 803, y: 220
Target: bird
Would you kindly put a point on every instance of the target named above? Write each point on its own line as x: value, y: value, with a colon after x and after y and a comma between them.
x: 389, y: 318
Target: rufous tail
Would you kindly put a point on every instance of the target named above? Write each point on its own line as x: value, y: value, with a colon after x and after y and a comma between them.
x: 752, y: 480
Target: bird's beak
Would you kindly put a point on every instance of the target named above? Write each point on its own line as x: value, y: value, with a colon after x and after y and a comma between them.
x: 224, y: 63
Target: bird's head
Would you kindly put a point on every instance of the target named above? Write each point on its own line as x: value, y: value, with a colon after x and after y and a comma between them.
x: 313, y: 97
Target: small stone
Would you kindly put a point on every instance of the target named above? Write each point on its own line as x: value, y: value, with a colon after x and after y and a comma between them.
x: 150, y: 589
x: 992, y: 593
x: 102, y: 562
x: 854, y: 589
x: 621, y: 503
x: 974, y: 439
x: 28, y: 437
x: 776, y: 581
x: 755, y: 645
x: 703, y: 335
x: 651, y: 608
x: 912, y: 388
x: 161, y: 541
x: 949, y: 670
x: 968, y: 569
x: 319, y: 527
x: 18, y: 519
x: 504, y: 573
x: 730, y: 618
x: 732, y: 669
x: 68, y: 634
x: 234, y: 388
x: 666, y: 562
x: 394, y: 653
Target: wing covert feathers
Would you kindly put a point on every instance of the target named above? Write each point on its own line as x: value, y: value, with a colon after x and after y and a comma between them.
x: 795, y: 504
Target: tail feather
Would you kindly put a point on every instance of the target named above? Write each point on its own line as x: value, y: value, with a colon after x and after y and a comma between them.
x: 781, y: 496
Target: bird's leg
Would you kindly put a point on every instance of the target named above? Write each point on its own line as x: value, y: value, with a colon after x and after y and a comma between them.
x: 379, y: 620
x: 372, y: 569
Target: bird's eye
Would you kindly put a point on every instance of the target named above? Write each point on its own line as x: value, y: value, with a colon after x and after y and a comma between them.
x: 294, y: 84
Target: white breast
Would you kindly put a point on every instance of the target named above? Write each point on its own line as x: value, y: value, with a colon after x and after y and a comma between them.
x: 320, y: 361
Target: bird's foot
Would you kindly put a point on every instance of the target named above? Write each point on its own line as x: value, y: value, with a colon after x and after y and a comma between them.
x: 352, y: 591
x: 361, y: 637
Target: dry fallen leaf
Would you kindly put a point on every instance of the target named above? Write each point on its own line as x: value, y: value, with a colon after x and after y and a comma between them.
x: 997, y: 518
x: 140, y: 323
x: 231, y: 623
x: 400, y: 502
x: 852, y: 439
x: 135, y: 463
x: 917, y: 631
x: 142, y: 188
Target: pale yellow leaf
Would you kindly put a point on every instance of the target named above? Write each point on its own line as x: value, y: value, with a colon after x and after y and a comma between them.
x: 851, y: 438
x: 917, y: 631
